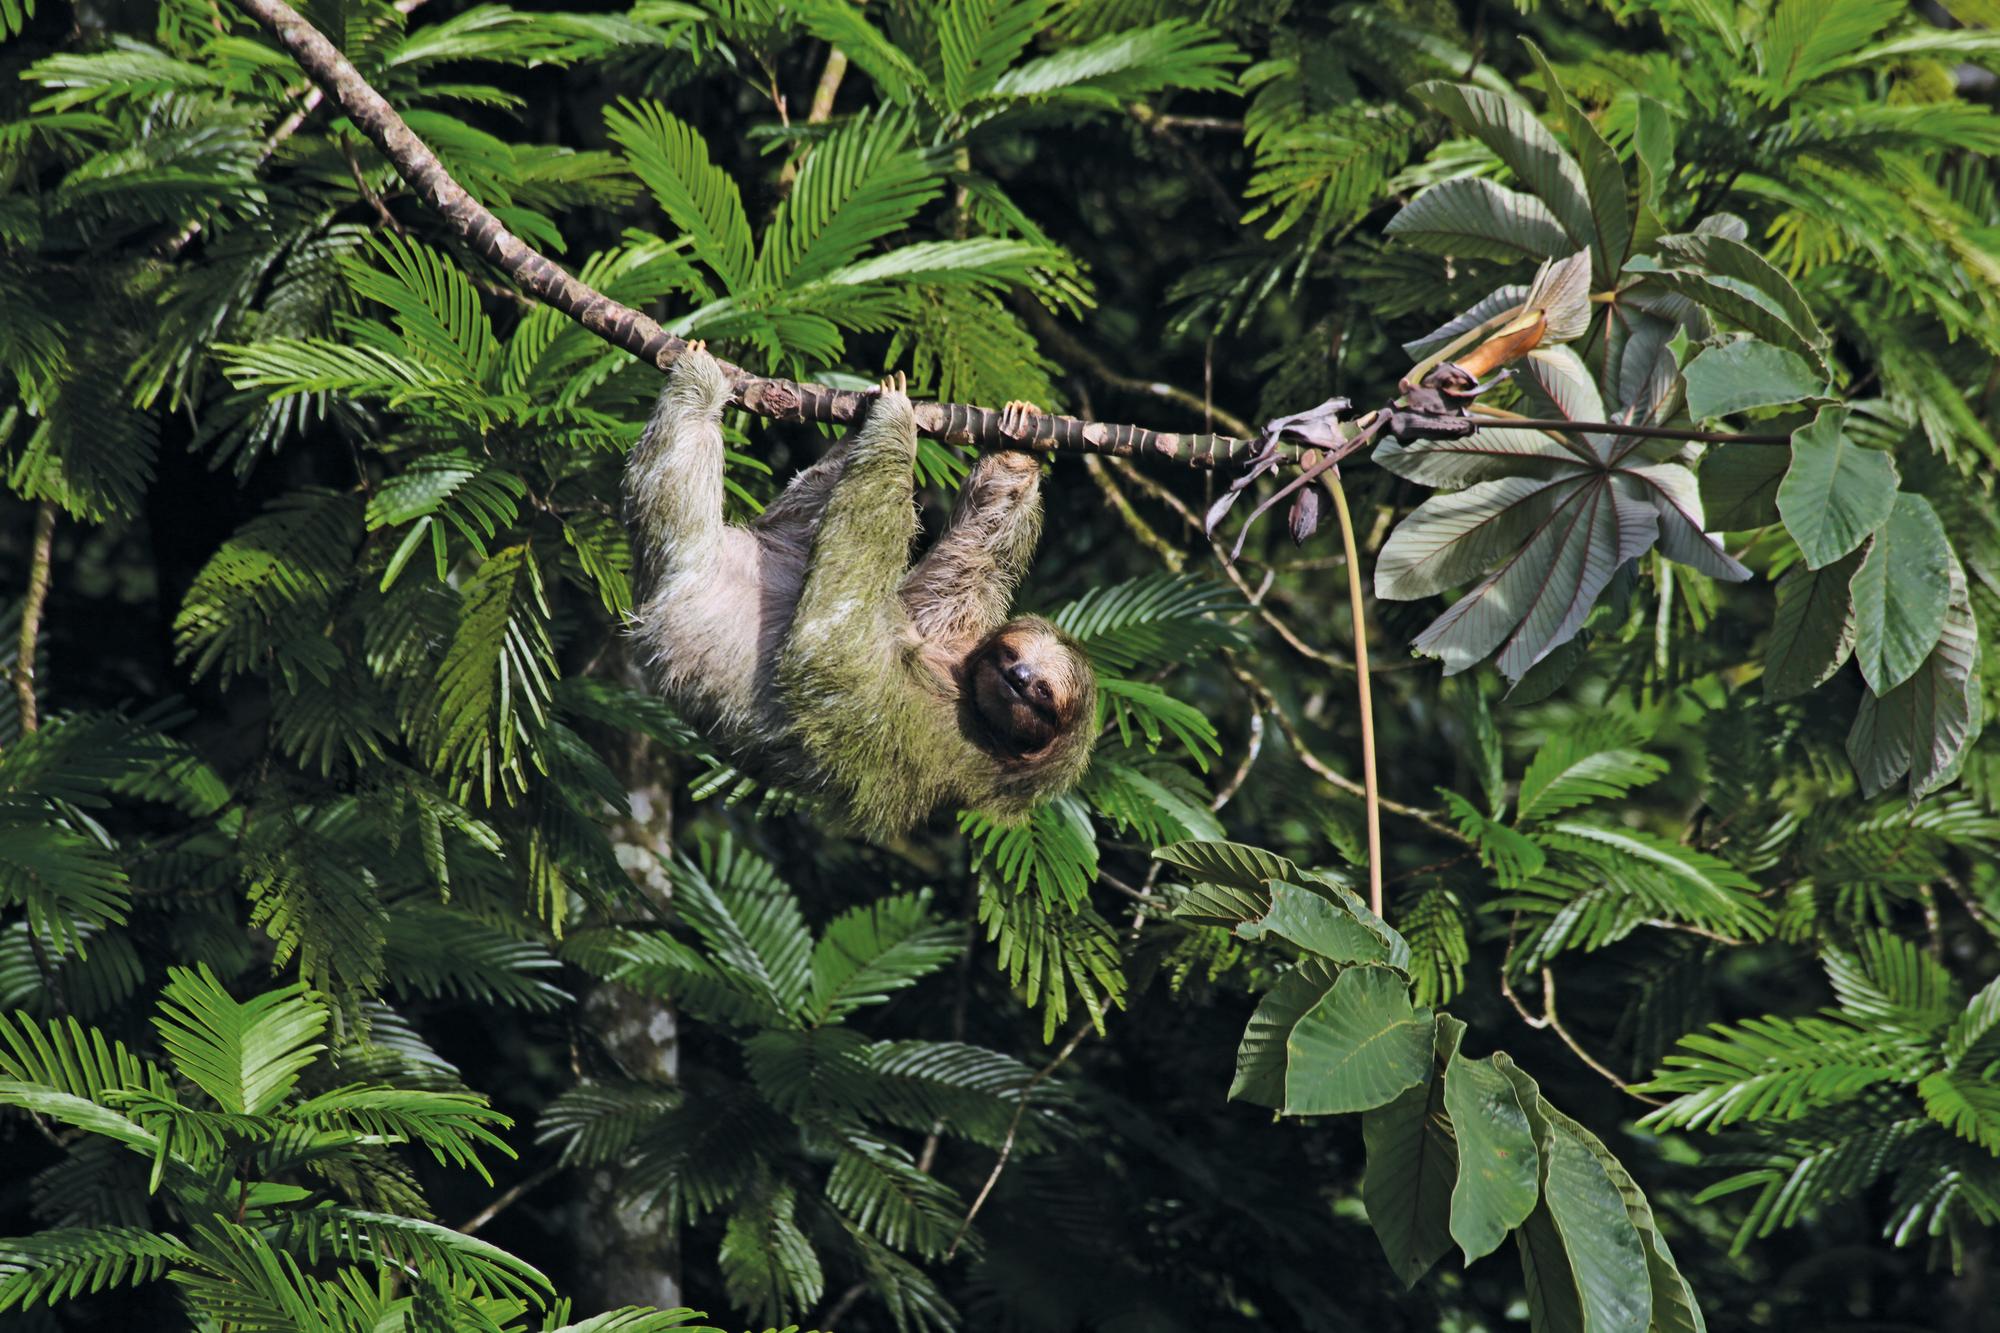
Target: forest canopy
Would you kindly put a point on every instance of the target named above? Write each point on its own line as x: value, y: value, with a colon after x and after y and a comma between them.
x: 1520, y: 473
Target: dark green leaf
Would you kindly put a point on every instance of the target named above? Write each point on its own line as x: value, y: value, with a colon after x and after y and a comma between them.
x: 1317, y: 923
x: 1603, y: 1247
x: 1411, y: 1163
x: 1836, y: 492
x: 1540, y: 597
x: 1745, y: 374
x: 1229, y: 863
x: 1517, y: 138
x: 1472, y: 216
x: 1499, y: 1169
x: 1358, y: 1047
x: 1262, y: 1058
x: 1899, y: 594
x: 1813, y: 630
x: 1923, y: 725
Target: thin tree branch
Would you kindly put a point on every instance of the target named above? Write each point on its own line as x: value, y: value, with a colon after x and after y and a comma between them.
x: 1227, y: 206
x: 40, y: 562
x: 622, y: 326
x: 1134, y: 522
x: 1291, y: 638
x: 1555, y: 1026
x: 1253, y: 745
x: 831, y: 1319
x: 512, y: 1196
x: 828, y: 88
x: 1491, y: 419
x: 1430, y: 819
x: 1083, y: 1030
x: 1220, y: 124
x: 368, y: 194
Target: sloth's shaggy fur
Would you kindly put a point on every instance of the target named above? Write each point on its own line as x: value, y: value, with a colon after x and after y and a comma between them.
x: 806, y: 647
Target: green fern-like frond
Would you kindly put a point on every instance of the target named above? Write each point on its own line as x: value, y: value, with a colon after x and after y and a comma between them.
x: 1159, y: 802
x: 971, y: 1092
x: 64, y: 1263
x: 1124, y: 65
x: 1596, y: 761
x: 64, y: 881
x: 453, y: 1125
x: 495, y: 682
x: 262, y: 601
x: 1050, y: 953
x: 436, y: 952
x: 1770, y: 1068
x: 978, y: 41
x: 1893, y: 985
x: 443, y: 493
x: 878, y: 1186
x: 599, y: 1122
x: 855, y: 187
x: 1156, y: 620
x: 1053, y: 853
x: 768, y: 1265
x: 1434, y: 923
x: 66, y: 1057
x: 14, y: 16
x: 1331, y: 168
x: 1967, y: 1104
x: 749, y: 921
x: 436, y: 307
x: 246, y: 1055
x: 1144, y: 713
x: 1670, y: 879
x: 868, y: 953
x: 699, y: 197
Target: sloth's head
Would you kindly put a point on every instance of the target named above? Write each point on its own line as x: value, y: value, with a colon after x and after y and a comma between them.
x: 1034, y: 696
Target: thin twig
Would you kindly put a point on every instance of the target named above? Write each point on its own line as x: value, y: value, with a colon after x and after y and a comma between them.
x: 960, y: 1000
x: 1135, y: 523
x: 368, y: 193
x: 1083, y: 1030
x: 1251, y: 747
x: 1493, y: 419
x: 1118, y: 885
x: 508, y: 1199
x: 1373, y: 794
x: 828, y: 88
x: 821, y: 109
x: 832, y: 1317
x: 1431, y: 819
x: 40, y: 563
x: 1220, y: 124
x: 1555, y: 1026
x: 1286, y: 634
x: 1227, y: 207
x: 1507, y: 987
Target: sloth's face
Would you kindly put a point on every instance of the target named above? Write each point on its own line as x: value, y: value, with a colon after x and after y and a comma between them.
x: 1027, y: 685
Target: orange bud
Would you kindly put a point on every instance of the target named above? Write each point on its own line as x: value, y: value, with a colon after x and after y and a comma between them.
x: 1511, y: 343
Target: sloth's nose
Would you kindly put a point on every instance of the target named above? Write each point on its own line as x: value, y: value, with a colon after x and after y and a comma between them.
x: 1021, y: 675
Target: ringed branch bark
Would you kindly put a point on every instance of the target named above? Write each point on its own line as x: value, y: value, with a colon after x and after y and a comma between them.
x: 622, y: 326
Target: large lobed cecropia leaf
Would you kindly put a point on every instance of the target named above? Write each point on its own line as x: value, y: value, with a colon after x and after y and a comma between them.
x: 1550, y: 518
x: 1460, y: 1150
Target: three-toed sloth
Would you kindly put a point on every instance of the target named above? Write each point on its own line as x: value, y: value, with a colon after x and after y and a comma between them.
x: 809, y: 649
